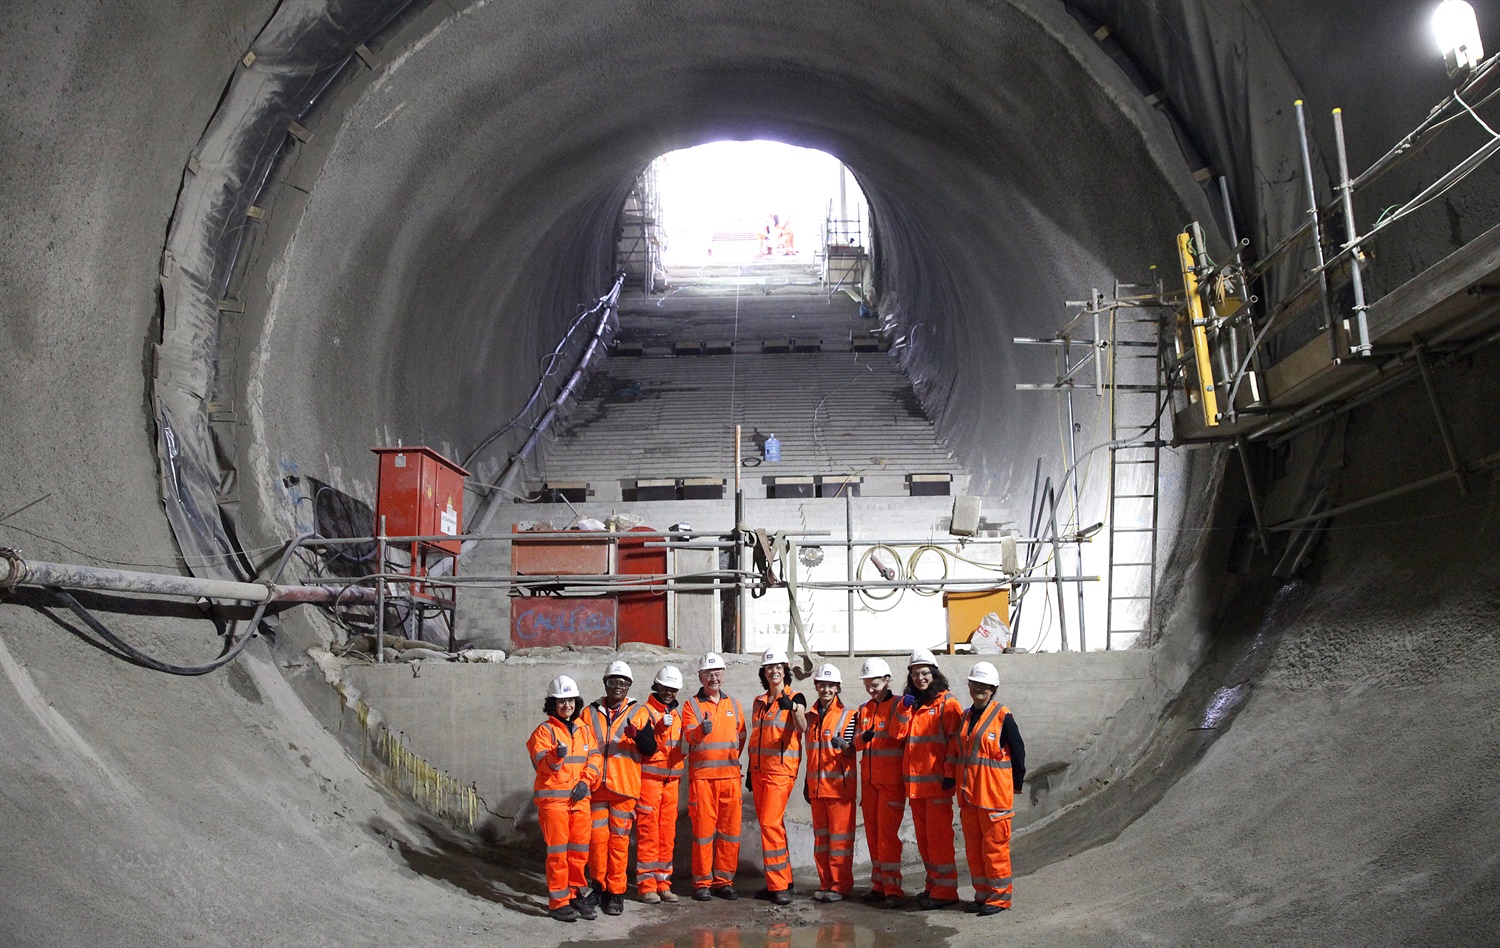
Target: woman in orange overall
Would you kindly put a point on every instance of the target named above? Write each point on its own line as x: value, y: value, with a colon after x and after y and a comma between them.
x: 661, y: 783
x: 992, y: 767
x: 831, y: 786
x: 928, y: 719
x: 622, y: 727
x: 568, y: 767
x: 777, y: 720
x: 881, y: 792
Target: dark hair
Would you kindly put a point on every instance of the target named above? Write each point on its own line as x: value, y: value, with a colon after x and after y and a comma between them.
x: 938, y: 686
x: 550, y: 707
x: 784, y: 675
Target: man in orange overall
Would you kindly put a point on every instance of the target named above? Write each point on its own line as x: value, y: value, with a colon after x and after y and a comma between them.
x: 881, y: 788
x: 992, y: 767
x: 830, y: 785
x: 568, y: 767
x: 661, y: 780
x: 714, y: 728
x: 777, y: 720
x: 928, y: 720
x: 622, y: 727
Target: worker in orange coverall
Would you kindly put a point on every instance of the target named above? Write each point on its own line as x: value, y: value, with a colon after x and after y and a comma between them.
x: 777, y: 720
x: 622, y: 727
x: 831, y: 785
x: 661, y: 782
x: 568, y: 768
x: 992, y: 767
x: 714, y: 728
x: 882, y: 792
x: 928, y: 718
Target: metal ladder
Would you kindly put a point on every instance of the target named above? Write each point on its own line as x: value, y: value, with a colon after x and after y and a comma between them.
x: 1130, y: 508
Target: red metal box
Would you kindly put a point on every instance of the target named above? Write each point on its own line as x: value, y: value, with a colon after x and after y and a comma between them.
x: 421, y: 493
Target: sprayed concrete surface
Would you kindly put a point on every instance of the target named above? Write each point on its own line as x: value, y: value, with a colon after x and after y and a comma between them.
x: 1326, y: 771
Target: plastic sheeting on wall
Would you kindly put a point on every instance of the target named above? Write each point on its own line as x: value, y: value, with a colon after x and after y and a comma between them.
x: 287, y: 68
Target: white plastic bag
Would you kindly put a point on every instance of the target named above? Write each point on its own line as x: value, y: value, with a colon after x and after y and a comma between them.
x: 992, y: 636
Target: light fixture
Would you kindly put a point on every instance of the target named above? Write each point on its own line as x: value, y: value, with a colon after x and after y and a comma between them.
x: 1457, y: 33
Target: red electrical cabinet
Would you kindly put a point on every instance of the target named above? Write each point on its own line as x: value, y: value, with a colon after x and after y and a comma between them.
x: 420, y: 494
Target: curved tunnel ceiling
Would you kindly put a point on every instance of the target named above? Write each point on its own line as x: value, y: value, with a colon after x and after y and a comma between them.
x: 468, y: 204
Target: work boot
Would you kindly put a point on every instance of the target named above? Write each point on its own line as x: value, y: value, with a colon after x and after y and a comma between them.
x: 990, y: 908
x: 873, y: 896
x: 781, y: 897
x: 701, y: 894
x: 821, y: 895
x: 614, y: 903
x: 893, y: 901
x: 585, y: 911
x: 832, y: 896
x: 591, y: 897
x: 667, y: 895
x: 650, y: 898
x: 726, y: 892
x: 974, y: 906
x: 564, y: 913
x: 928, y: 903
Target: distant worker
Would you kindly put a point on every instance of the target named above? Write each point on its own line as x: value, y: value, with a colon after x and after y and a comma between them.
x: 882, y: 789
x: 661, y: 782
x: 831, y: 785
x: 778, y: 717
x: 992, y: 767
x: 568, y: 768
x: 714, y: 729
x: 622, y: 727
x: 929, y: 719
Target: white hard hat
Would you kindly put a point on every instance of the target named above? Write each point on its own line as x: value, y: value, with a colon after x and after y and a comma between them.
x: 562, y: 687
x: 985, y: 674
x: 875, y: 668
x: 669, y: 677
x: 711, y: 661
x: 618, y: 668
x: 829, y: 672
x: 774, y: 656
x: 921, y: 657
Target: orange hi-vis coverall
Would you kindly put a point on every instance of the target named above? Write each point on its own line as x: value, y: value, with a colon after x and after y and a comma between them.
x: 714, y: 786
x: 656, y: 813
x: 613, y: 806
x: 564, y: 753
x: 931, y: 735
x: 775, y: 757
x: 882, y: 791
x: 831, y: 787
x: 986, y: 800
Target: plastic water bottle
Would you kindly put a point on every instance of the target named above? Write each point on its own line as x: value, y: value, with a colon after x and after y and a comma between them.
x: 771, y: 453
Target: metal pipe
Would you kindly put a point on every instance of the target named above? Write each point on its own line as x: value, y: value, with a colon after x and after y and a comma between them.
x: 1362, y: 325
x: 1062, y: 612
x: 16, y: 571
x: 1317, y: 231
x: 1260, y: 526
x: 849, y: 561
x: 1383, y: 495
x: 380, y: 551
x: 1454, y: 461
x: 1072, y: 460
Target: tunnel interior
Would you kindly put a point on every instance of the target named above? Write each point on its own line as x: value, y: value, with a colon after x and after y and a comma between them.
x: 314, y: 227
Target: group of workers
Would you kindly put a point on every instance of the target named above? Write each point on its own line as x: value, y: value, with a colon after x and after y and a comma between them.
x: 616, y: 762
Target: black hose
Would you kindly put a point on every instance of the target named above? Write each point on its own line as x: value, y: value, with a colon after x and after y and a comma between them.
x: 155, y: 664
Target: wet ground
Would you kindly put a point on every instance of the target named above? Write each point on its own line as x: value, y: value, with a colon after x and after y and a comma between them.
x: 751, y: 924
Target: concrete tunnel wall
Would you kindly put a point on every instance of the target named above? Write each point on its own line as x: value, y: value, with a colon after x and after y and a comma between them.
x: 143, y: 809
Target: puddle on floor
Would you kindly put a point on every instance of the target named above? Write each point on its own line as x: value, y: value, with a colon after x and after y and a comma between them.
x: 754, y: 925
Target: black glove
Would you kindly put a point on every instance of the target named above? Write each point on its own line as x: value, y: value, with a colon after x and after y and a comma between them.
x: 747, y: 781
x: 580, y: 790
x: 708, y: 726
x: 806, y: 794
x: 949, y: 783
x: 868, y: 736
x: 839, y: 743
x: 784, y: 703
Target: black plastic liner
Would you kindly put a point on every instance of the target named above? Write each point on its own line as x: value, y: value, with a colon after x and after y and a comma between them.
x: 303, y: 48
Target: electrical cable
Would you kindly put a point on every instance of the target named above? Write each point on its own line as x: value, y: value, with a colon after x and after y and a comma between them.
x: 170, y: 668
